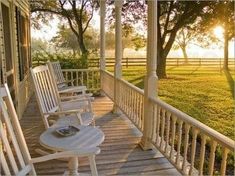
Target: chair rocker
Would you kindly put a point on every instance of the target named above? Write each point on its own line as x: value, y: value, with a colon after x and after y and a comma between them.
x: 14, y: 154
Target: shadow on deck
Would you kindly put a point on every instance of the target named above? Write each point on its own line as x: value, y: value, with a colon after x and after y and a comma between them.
x: 120, y: 152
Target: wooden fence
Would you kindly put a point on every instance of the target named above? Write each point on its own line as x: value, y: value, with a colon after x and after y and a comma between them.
x: 127, y: 62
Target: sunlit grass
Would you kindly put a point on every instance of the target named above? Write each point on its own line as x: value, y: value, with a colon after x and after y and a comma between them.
x: 204, y: 94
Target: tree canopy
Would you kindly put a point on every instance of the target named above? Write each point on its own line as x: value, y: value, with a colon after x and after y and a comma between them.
x: 77, y: 13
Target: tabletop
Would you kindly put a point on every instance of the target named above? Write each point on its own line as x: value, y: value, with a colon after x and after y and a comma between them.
x: 87, y: 137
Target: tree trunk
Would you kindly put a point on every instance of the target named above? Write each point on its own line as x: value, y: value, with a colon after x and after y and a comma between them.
x: 185, y: 54
x: 161, y: 64
x: 225, y: 48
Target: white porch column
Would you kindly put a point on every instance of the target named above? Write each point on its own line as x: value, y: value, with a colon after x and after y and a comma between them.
x: 102, y: 44
x: 102, y: 34
x: 118, y: 50
x: 150, y: 85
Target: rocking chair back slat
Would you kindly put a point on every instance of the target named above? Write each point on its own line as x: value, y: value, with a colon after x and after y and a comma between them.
x: 45, y: 90
x: 14, y: 151
x: 5, y: 167
x: 57, y: 72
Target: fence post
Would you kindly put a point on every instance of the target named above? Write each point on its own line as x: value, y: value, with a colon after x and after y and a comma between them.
x: 177, y: 61
x: 127, y: 60
x: 200, y: 61
x: 220, y: 64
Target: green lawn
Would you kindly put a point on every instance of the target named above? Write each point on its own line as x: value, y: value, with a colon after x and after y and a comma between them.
x: 203, y: 94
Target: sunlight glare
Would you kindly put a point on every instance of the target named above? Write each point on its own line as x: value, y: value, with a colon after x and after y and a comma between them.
x: 219, y: 32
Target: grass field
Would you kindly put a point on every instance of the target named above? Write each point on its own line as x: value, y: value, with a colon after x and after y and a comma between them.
x: 206, y: 95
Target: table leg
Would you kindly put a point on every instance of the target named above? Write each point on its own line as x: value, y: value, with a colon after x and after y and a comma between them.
x: 73, y: 166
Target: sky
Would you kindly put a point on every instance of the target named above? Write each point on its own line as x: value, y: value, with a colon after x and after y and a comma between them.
x: 47, y: 32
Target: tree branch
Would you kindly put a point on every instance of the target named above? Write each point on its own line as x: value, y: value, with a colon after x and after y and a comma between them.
x: 45, y: 10
x: 68, y: 18
x: 88, y: 21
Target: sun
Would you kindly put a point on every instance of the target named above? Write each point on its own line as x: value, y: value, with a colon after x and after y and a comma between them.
x: 219, y: 32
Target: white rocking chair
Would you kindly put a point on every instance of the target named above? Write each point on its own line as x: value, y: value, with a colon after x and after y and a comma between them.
x: 72, y: 110
x: 62, y: 84
x: 15, y: 158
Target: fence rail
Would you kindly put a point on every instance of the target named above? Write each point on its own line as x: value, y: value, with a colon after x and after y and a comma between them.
x: 128, y: 62
x: 204, y: 62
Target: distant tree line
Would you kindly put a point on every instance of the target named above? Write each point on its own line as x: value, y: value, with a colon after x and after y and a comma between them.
x: 178, y: 23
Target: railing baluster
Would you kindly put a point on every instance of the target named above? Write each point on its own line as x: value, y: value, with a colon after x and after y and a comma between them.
x: 71, y: 73
x: 135, y: 107
x: 138, y: 110
x: 168, y: 115
x: 66, y: 76
x: 92, y: 83
x: 224, y: 161
x: 77, y: 78
x: 153, y: 107
x: 212, y: 156
x: 163, y: 128
x: 202, y: 153
x: 194, y: 142
x: 82, y: 78
x: 187, y: 126
x: 87, y: 79
x: 173, y: 137
x: 158, y: 124
x: 180, y: 123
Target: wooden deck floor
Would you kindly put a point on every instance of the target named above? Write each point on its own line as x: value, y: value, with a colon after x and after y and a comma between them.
x: 120, y: 152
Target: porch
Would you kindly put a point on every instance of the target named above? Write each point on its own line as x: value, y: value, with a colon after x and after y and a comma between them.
x: 178, y: 142
x: 120, y: 152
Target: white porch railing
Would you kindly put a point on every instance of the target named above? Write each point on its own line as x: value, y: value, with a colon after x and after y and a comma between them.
x: 107, y: 80
x: 86, y: 77
x: 131, y: 102
x: 184, y: 140
x: 192, y: 147
x: 187, y: 143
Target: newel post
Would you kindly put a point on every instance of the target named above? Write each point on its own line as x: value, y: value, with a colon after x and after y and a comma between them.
x: 102, y: 42
x: 150, y: 84
x: 118, y: 51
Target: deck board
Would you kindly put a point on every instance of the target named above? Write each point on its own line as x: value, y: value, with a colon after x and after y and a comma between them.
x: 120, y: 152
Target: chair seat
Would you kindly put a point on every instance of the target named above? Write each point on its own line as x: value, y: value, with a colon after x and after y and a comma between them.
x: 71, y: 89
x: 87, y: 119
x: 69, y: 105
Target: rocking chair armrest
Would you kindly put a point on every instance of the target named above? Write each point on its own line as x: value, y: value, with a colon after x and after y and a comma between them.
x: 63, y: 112
x: 66, y: 154
x: 70, y: 80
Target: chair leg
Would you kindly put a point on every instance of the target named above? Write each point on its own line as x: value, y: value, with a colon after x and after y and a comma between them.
x: 93, y: 165
x: 93, y: 122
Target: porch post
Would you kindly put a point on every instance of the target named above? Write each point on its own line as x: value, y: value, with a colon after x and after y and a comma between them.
x: 118, y: 51
x: 150, y: 86
x: 102, y: 44
x: 102, y: 34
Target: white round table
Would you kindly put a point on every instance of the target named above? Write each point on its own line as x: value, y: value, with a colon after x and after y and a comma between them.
x: 87, y: 137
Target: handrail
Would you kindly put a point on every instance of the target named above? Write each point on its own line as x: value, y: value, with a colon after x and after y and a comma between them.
x: 82, y: 69
x: 137, y: 89
x: 107, y: 72
x: 222, y: 139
